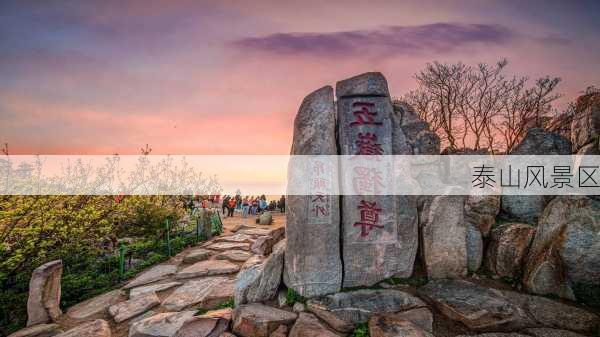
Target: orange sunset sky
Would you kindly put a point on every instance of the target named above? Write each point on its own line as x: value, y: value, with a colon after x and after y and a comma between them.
x: 226, y: 77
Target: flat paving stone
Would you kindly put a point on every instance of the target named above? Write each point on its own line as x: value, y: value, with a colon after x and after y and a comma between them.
x: 222, y: 246
x: 97, y: 328
x: 153, y: 274
x: 197, y: 255
x: 239, y: 238
x: 96, y: 305
x: 191, y: 293
x: 234, y: 255
x: 208, y: 268
x: 39, y: 330
x: 164, y: 324
x: 133, y: 307
x: 152, y: 288
x: 257, y: 231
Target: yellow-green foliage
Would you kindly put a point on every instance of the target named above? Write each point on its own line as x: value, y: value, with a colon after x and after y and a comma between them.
x: 78, y: 230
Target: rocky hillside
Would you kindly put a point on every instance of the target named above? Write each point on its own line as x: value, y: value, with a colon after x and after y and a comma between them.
x: 384, y: 266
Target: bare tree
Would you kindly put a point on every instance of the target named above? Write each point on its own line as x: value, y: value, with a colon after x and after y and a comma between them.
x: 472, y: 106
x: 525, y: 108
x: 438, y: 97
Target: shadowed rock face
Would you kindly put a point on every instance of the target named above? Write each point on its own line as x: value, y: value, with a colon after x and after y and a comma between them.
x: 257, y: 320
x: 43, y: 304
x: 445, y: 238
x: 307, y: 325
x: 344, y: 310
x: 487, y: 309
x: 566, y: 247
x: 527, y: 208
x: 585, y: 126
x: 313, y: 267
x: 481, y: 211
x: 508, y: 248
x: 477, y: 307
x: 390, y: 326
x: 259, y: 282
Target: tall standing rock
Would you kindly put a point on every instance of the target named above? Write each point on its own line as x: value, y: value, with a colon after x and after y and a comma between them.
x: 372, y: 246
x: 508, y: 249
x: 444, y: 231
x: 43, y: 304
x: 565, y: 253
x: 406, y: 140
x: 527, y: 208
x: 585, y: 126
x: 313, y: 265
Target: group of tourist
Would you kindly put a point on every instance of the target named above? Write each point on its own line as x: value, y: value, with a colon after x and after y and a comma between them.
x: 252, y: 205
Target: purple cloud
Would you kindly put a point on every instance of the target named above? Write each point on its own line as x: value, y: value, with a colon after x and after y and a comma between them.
x: 388, y: 40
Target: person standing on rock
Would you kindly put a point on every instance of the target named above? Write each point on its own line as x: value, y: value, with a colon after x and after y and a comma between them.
x: 254, y: 208
x: 231, y: 208
x: 281, y: 204
x: 225, y: 203
x: 262, y: 203
x: 245, y: 207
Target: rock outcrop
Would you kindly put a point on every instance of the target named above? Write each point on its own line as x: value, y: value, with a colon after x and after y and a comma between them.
x: 487, y: 309
x: 258, y: 282
x: 390, y: 326
x: 307, y: 325
x: 342, y: 311
x: 43, y: 303
x: 314, y: 267
x: 585, y: 126
x: 481, y: 211
x: 566, y: 249
x: 444, y: 238
x: 477, y: 307
x: 527, y: 208
x: 258, y: 320
x: 508, y: 248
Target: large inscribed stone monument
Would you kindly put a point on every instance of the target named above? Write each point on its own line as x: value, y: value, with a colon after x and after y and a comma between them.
x: 312, y: 260
x: 373, y: 248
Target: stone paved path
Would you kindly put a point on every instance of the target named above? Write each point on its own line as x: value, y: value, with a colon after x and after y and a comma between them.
x: 200, y: 277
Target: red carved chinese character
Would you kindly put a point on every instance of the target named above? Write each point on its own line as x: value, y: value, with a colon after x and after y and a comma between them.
x: 319, y: 198
x: 369, y: 217
x: 319, y: 168
x: 367, y: 144
x: 320, y: 209
x: 319, y: 183
x: 364, y: 116
x: 367, y: 179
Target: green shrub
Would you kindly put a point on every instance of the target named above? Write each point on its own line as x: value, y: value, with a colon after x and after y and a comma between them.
x: 227, y: 304
x: 293, y: 297
x: 414, y: 281
x: 362, y: 330
x: 201, y: 311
